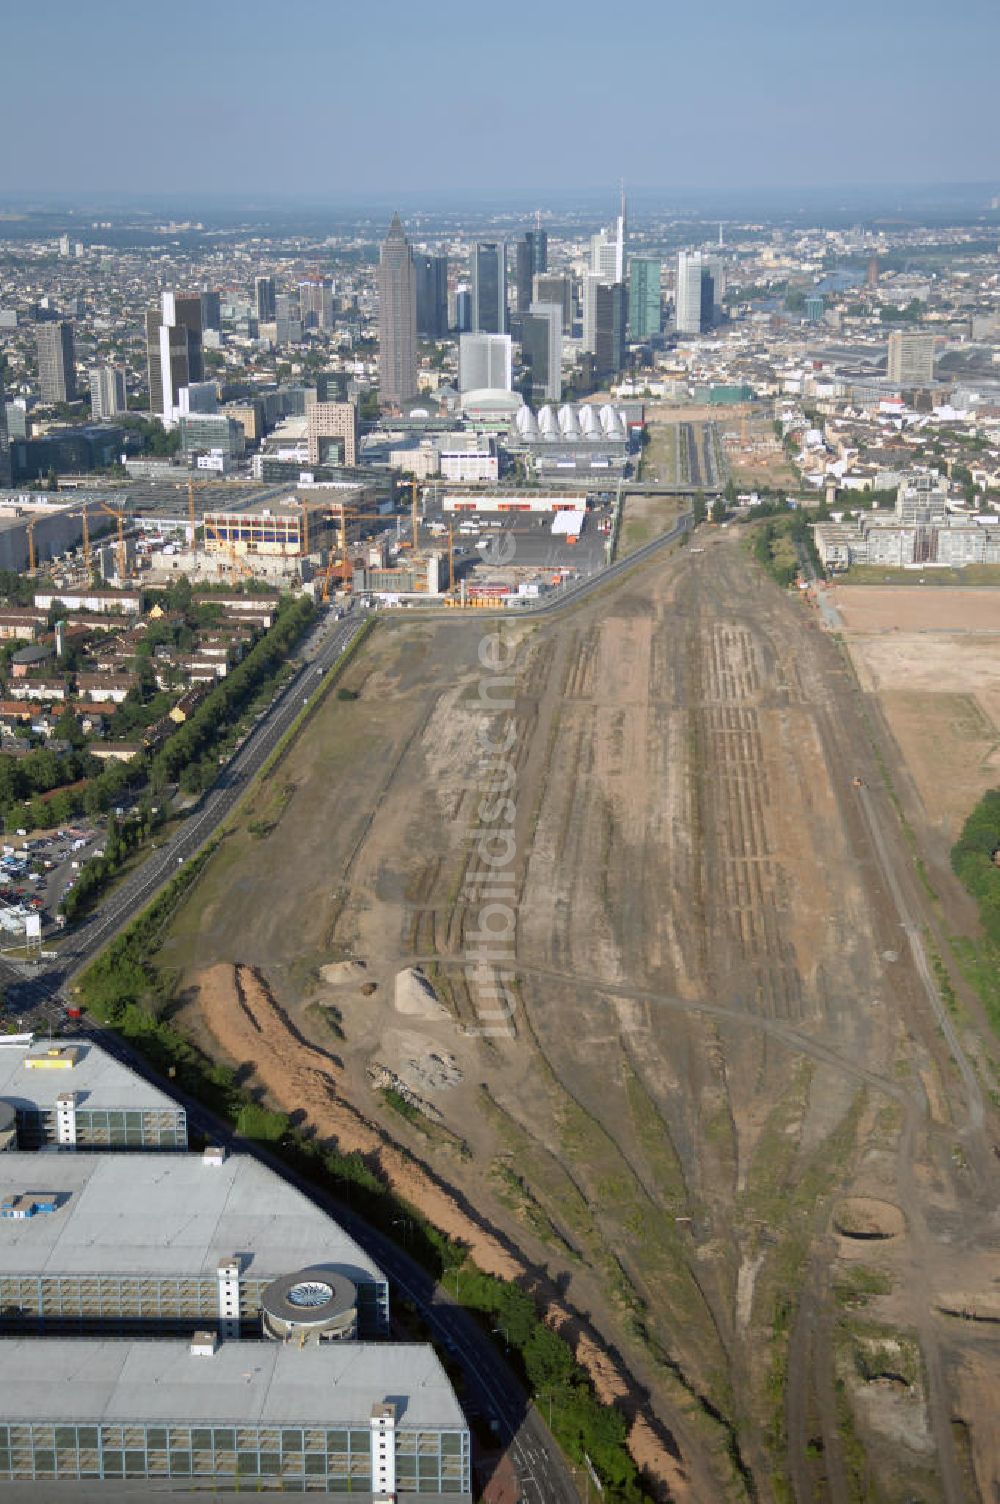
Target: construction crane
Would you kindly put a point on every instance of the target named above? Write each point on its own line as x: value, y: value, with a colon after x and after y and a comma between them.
x: 118, y: 513
x: 413, y: 517
x: 338, y: 556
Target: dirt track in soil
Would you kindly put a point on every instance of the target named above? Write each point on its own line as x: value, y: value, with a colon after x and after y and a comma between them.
x: 717, y: 1029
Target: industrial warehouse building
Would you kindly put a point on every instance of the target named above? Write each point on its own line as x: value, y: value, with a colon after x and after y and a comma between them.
x: 158, y: 1243
x: 190, y: 1320
x: 375, y: 1421
x: 75, y: 1095
x: 509, y: 501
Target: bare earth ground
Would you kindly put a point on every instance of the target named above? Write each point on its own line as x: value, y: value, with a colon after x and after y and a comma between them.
x: 720, y: 1035
x: 646, y: 517
x: 933, y: 660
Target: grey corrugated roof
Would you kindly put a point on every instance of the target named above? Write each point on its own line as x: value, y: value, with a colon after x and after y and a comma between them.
x: 244, y: 1383
x: 167, y: 1214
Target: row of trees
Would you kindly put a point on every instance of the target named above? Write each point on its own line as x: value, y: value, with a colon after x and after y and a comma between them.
x: 124, y: 987
x: 972, y: 859
x: 122, y: 837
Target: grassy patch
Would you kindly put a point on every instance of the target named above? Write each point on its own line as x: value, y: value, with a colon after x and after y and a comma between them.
x: 857, y: 1285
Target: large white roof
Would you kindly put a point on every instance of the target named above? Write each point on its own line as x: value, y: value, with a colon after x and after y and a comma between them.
x: 242, y: 1384
x: 167, y: 1214
x: 100, y: 1080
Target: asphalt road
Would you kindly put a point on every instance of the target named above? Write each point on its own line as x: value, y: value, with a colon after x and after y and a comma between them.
x: 36, y: 996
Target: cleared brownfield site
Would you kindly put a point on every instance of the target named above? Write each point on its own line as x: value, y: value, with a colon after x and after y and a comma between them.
x: 932, y: 658
x: 727, y: 1125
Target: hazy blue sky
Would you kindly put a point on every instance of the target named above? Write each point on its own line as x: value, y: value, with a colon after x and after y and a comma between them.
x: 319, y: 98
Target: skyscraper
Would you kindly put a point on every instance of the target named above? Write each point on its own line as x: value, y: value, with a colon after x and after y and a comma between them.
x: 538, y: 239
x: 173, y: 351
x: 644, y: 297
x: 316, y: 303
x: 211, y: 310
x: 523, y: 272
x: 5, y: 476
x: 432, y: 296
x: 700, y: 285
x: 911, y: 357
x: 184, y: 310
x: 489, y: 287
x: 548, y: 287
x: 153, y: 320
x: 56, y: 370
x: 397, y: 318
x: 264, y: 293
x: 531, y: 257
x: 107, y: 392
x: 610, y: 319
x: 485, y: 360
x: 607, y: 249
x: 591, y: 282
x: 541, y: 349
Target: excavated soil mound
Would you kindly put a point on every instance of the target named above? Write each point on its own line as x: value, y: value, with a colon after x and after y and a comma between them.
x: 343, y: 973
x: 416, y: 997
x: 241, y: 1013
x: 971, y: 1305
x: 865, y: 1217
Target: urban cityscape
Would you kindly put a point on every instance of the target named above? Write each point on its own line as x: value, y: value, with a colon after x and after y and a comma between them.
x: 499, y: 772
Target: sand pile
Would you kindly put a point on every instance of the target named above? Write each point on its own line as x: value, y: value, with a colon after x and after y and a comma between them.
x: 416, y: 997
x: 343, y: 973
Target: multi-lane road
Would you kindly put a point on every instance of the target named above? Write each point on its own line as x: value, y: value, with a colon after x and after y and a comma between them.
x: 36, y: 995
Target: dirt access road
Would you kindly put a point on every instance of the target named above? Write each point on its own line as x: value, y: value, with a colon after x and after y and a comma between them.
x: 724, y: 1126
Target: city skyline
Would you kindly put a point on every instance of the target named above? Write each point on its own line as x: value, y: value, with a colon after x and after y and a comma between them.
x: 750, y: 110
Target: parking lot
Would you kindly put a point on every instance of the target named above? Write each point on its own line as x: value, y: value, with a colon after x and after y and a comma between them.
x: 36, y: 871
x: 518, y: 547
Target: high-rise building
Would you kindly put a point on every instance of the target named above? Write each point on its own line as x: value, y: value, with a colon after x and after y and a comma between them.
x: 332, y: 433
x: 541, y: 350
x: 431, y: 273
x: 107, y: 391
x: 316, y: 303
x: 173, y: 351
x: 531, y: 258
x: 264, y: 294
x: 538, y: 239
x: 184, y: 310
x: 154, y: 320
x: 644, y: 297
x: 5, y: 476
x: 56, y: 369
x: 397, y: 318
x: 548, y: 287
x: 489, y: 287
x: 211, y: 310
x: 608, y: 249
x: 485, y: 360
x: 814, y: 306
x: 522, y: 276
x: 700, y: 286
x: 463, y: 310
x: 911, y: 357
x: 591, y: 282
x: 610, y: 321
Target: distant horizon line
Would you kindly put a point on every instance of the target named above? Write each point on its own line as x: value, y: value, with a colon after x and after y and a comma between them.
x: 26, y: 199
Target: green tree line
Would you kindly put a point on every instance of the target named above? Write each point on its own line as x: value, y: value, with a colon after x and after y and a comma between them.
x: 972, y: 861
